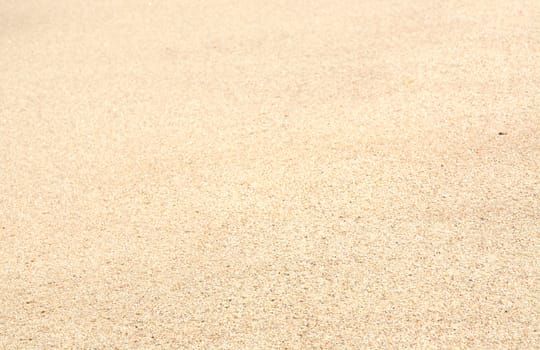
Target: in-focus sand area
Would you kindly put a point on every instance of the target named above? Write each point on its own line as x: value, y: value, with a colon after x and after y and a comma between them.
x: 269, y: 174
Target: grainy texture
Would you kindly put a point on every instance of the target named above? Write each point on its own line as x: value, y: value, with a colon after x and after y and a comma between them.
x: 269, y: 174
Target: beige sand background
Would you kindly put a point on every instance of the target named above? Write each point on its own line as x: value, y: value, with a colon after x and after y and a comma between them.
x: 269, y: 174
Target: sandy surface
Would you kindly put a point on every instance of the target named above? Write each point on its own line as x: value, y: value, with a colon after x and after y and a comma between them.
x: 269, y: 174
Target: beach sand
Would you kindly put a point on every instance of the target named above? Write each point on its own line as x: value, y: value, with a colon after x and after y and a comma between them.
x: 269, y: 175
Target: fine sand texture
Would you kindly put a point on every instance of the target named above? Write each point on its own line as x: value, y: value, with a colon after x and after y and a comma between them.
x: 246, y: 174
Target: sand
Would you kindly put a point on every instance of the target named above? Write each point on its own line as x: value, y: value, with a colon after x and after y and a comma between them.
x: 269, y: 174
